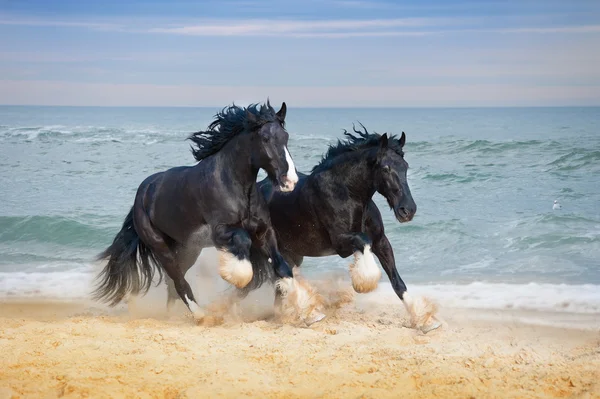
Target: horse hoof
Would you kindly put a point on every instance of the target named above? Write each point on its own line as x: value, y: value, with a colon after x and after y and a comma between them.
x: 430, y: 327
x: 314, y: 318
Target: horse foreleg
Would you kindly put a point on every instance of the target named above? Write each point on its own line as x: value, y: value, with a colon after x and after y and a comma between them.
x: 233, y: 244
x: 295, y: 299
x: 422, y: 313
x: 364, y: 272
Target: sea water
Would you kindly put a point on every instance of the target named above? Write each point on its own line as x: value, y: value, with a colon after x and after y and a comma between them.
x: 485, y: 234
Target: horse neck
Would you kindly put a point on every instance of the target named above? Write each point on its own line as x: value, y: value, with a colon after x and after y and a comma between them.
x: 354, y: 170
x: 235, y: 159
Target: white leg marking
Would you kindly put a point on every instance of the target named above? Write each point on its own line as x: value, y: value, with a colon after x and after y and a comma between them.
x: 285, y: 285
x: 364, y: 272
x: 233, y: 270
x: 194, y: 308
x: 292, y: 176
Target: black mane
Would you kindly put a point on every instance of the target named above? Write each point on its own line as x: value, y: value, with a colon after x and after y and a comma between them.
x: 362, y: 140
x: 228, y: 123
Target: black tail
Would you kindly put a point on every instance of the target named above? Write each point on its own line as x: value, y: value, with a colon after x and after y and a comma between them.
x: 125, y: 273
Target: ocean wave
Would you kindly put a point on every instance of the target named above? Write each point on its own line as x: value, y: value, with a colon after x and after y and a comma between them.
x: 579, y: 158
x: 53, y: 229
x: 482, y: 148
x: 558, y: 219
x: 486, y: 146
x: 454, y: 178
x: 89, y: 134
x: 551, y: 231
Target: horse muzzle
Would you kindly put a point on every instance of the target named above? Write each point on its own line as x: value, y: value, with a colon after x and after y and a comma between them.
x: 288, y: 182
x: 404, y: 214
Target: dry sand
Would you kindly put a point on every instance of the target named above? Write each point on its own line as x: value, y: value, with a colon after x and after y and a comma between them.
x: 77, y: 350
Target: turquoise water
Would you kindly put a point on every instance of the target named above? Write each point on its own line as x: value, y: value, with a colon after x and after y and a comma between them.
x: 484, y: 181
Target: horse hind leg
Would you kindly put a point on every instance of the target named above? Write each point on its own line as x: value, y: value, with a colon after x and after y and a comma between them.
x: 172, y: 295
x: 187, y: 259
x: 181, y: 286
x: 165, y: 254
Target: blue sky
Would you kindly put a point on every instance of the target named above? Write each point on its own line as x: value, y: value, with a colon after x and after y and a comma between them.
x: 308, y: 53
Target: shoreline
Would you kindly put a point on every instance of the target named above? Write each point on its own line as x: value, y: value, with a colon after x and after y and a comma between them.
x: 79, y: 349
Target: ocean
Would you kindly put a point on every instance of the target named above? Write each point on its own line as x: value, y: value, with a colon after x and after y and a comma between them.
x: 484, y: 179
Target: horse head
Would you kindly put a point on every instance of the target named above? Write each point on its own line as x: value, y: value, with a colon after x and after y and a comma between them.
x: 269, y: 147
x: 390, y: 178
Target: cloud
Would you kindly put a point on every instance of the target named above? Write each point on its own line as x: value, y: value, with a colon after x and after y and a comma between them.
x: 329, y: 28
x: 59, y: 23
x: 295, y: 28
x: 553, y: 29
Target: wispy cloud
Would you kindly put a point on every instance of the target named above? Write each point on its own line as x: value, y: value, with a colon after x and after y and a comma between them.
x: 552, y: 29
x: 332, y: 28
x: 298, y: 28
x: 16, y: 21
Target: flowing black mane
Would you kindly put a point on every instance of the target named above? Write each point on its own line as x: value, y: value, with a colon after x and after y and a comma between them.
x: 228, y: 123
x: 357, y: 142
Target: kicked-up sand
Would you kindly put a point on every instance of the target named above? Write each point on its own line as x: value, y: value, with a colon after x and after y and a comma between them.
x: 361, y: 350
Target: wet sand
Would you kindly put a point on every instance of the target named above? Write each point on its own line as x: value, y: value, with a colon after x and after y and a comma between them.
x: 362, y: 350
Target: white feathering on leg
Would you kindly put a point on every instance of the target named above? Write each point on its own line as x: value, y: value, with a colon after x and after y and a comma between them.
x: 364, y: 272
x: 300, y: 301
x: 422, y: 312
x: 233, y: 270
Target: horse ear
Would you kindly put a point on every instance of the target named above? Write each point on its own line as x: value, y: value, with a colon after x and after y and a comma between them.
x: 383, y: 144
x: 402, y: 140
x: 250, y: 117
x: 281, y: 113
x: 383, y: 141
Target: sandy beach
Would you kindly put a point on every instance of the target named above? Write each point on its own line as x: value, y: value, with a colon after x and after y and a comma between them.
x: 361, y: 350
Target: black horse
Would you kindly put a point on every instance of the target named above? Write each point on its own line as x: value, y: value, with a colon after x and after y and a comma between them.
x: 178, y: 212
x: 331, y: 211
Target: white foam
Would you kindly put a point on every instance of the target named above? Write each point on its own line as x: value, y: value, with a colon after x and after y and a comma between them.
x: 584, y: 298
x: 562, y: 298
x: 56, y: 285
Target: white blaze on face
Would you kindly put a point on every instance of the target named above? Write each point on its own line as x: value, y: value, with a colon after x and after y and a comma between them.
x: 292, y: 176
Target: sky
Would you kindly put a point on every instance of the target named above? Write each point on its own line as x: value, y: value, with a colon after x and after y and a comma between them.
x: 311, y: 53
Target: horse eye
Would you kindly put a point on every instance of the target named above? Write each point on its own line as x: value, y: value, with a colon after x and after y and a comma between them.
x: 386, y: 168
x: 266, y: 138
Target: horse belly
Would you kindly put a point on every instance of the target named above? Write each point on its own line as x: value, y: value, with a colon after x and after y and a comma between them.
x: 305, y: 242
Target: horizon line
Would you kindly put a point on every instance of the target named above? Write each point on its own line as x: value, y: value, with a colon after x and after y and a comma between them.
x: 309, y: 107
